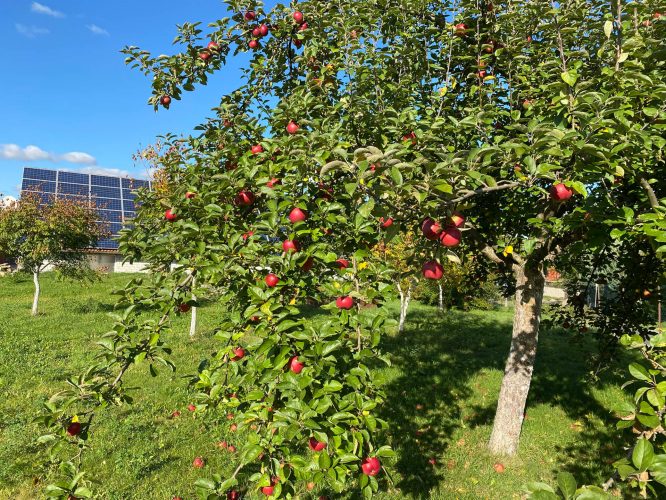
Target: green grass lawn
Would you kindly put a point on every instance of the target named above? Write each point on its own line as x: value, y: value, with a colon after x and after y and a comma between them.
x: 442, y: 390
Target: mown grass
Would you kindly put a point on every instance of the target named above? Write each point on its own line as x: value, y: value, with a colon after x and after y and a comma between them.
x: 442, y: 389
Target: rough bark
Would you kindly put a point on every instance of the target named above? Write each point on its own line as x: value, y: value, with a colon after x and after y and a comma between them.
x: 405, y: 297
x: 35, y: 300
x: 520, y: 363
x: 193, y: 319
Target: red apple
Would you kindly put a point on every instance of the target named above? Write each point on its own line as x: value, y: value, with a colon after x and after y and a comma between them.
x: 295, y: 365
x: 254, y: 319
x: 204, y: 56
x: 74, y: 429
x: 431, y: 229
x: 239, y: 353
x: 253, y: 44
x: 307, y: 265
x: 231, y: 448
x: 257, y: 149
x: 311, y: 486
x: 316, y: 445
x: 498, y: 467
x: 271, y: 184
x: 292, y: 128
x: 170, y: 216
x: 256, y: 32
x: 233, y: 495
x: 386, y: 222
x: 371, y: 466
x: 176, y: 498
x: 247, y: 235
x: 244, y: 198
x: 460, y: 28
x: 213, y: 46
x: 432, y: 270
x: 297, y: 215
x: 457, y: 219
x: 410, y: 136
x: 165, y: 100
x: 450, y: 237
x: 560, y: 192
x: 191, y: 407
x: 268, y: 490
x: 297, y: 43
x: 344, y: 302
x: 303, y: 27
x: 175, y: 414
x: 342, y: 263
x: 233, y: 427
x: 263, y: 30
x: 298, y: 17
x: 189, y: 195
x: 198, y: 463
x: 290, y: 246
x: 250, y: 15
x: 271, y: 280
x: 657, y: 15
x: 184, y: 308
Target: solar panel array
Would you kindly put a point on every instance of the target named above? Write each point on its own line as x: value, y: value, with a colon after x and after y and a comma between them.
x: 114, y: 197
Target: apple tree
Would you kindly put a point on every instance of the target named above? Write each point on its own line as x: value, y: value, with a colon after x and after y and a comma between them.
x: 37, y: 235
x: 517, y: 130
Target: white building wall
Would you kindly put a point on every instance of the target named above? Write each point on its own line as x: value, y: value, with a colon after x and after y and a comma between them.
x: 125, y: 267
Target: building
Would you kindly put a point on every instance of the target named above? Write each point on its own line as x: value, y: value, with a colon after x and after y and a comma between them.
x: 114, y: 198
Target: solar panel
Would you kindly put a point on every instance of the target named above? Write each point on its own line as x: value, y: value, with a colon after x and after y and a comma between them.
x: 114, y: 197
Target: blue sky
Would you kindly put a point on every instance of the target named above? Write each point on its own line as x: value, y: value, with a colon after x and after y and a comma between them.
x: 69, y: 101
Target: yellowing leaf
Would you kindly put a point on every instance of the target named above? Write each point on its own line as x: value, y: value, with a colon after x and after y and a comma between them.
x: 362, y: 266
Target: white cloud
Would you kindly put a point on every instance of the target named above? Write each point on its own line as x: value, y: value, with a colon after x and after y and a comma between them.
x: 113, y: 172
x: 96, y: 30
x: 43, y: 9
x: 34, y: 153
x: 31, y: 31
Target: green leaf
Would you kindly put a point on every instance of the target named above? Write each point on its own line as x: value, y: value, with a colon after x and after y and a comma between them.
x: 567, y: 484
x: 643, y: 454
x: 639, y: 372
x: 396, y: 176
x: 569, y: 78
x: 608, y: 28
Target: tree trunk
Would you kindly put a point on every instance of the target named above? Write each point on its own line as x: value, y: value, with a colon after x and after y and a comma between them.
x: 440, y: 304
x: 405, y: 297
x: 35, y: 300
x: 520, y: 364
x: 193, y: 319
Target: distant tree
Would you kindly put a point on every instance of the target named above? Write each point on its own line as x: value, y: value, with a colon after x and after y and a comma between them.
x: 36, y: 235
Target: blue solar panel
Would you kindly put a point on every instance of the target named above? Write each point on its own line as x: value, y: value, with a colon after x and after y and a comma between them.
x: 134, y: 184
x: 128, y: 195
x: 73, y: 178
x: 114, y: 228
x: 130, y: 215
x: 107, y: 244
x: 103, y: 180
x: 128, y: 206
x: 79, y: 189
x: 105, y: 192
x: 39, y: 174
x: 110, y: 216
x: 107, y: 204
x: 72, y: 197
x: 36, y: 185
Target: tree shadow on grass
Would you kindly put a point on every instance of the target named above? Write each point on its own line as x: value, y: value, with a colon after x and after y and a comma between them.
x: 429, y: 388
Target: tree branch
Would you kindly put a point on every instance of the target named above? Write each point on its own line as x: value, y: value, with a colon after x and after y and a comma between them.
x: 488, y: 189
x: 652, y: 197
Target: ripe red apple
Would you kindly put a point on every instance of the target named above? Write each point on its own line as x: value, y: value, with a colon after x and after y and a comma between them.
x: 498, y: 467
x: 165, y: 100
x: 204, y: 56
x: 657, y: 15
x: 189, y: 195
x: 268, y: 490
x: 316, y: 445
x: 184, y: 308
x: 253, y: 44
x: 303, y: 27
x: 271, y: 280
x: 344, y: 302
x: 233, y: 495
x: 176, y: 498
x: 231, y: 448
x: 175, y: 414
x: 271, y: 184
x: 254, y: 319
x: 239, y: 353
x: 432, y: 270
x: 250, y: 15
x: 213, y: 45
x: 244, y: 198
x: 297, y: 43
x: 257, y: 149
x: 432, y: 461
x: 527, y: 103
x: 310, y: 486
x: 297, y: 215
x: 481, y: 74
x: 431, y: 229
x: 170, y: 216
x: 295, y: 365
x: 450, y: 237
x: 560, y: 192
x: 342, y: 263
x: 191, y: 407
x: 233, y: 427
x: 457, y: 219
x: 307, y: 265
x: 290, y: 246
x: 298, y: 17
x: 256, y: 32
x: 460, y: 28
x: 292, y: 128
x: 247, y: 235
x: 263, y: 30
x: 647, y: 293
x: 74, y: 429
x: 371, y: 466
x: 410, y: 136
x: 198, y: 463
x: 386, y: 222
